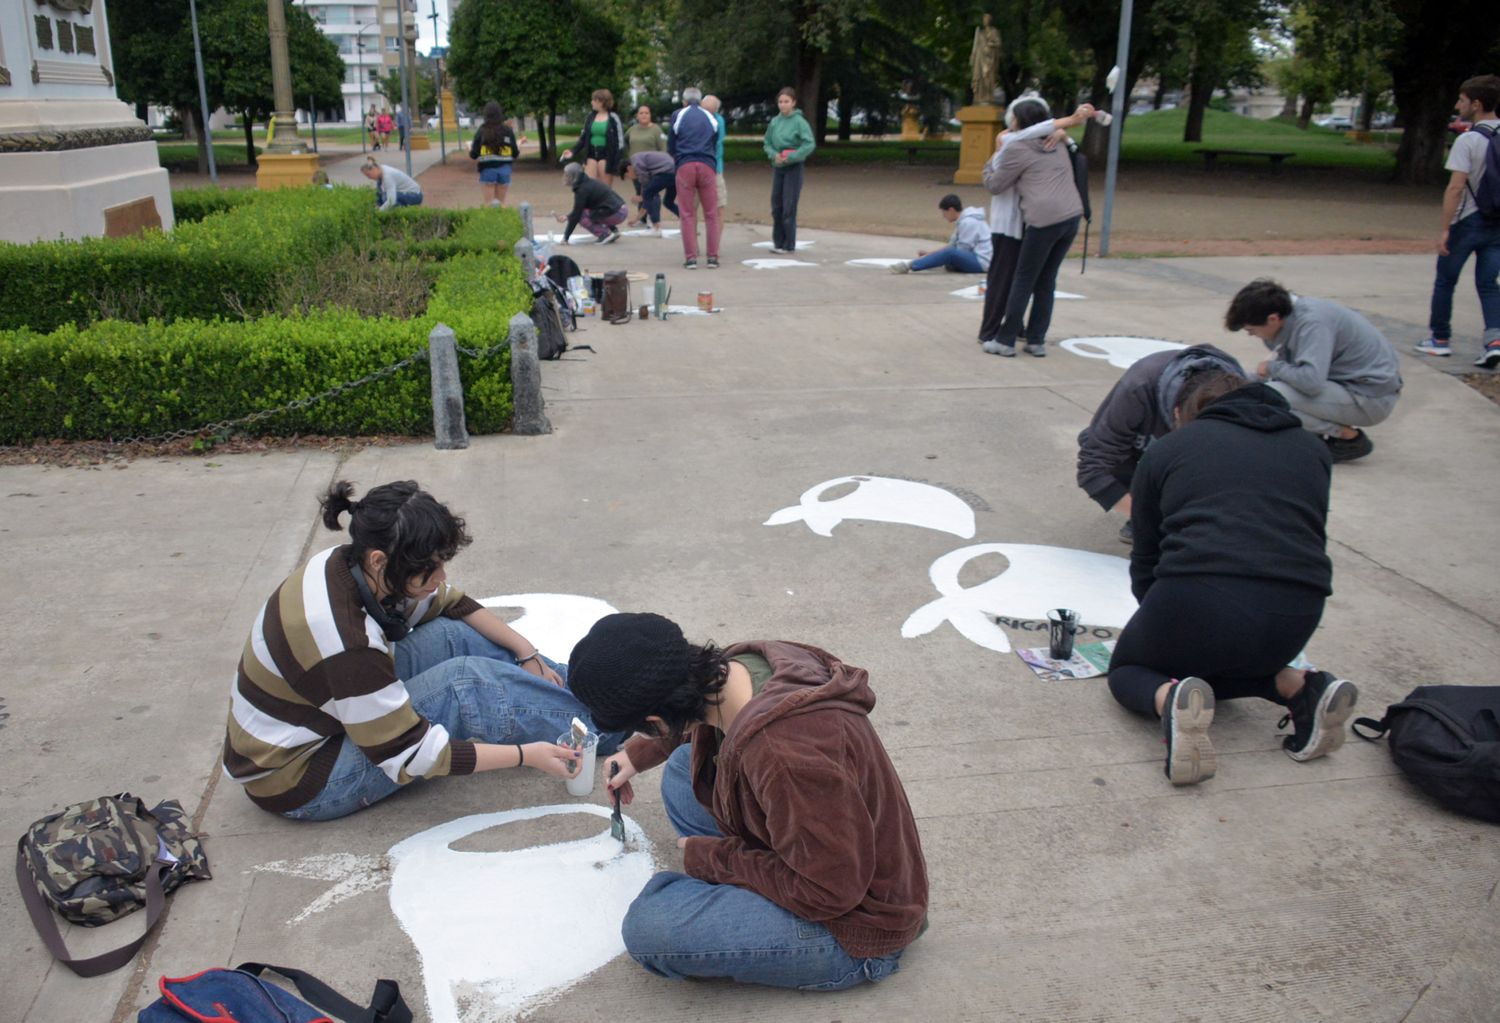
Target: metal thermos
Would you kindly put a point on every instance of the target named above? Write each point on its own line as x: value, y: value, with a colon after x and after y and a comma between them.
x: 663, y: 296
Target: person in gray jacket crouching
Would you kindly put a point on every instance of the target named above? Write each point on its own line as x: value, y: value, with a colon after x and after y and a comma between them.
x: 1332, y: 366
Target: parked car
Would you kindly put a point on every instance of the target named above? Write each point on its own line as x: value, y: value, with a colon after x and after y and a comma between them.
x: 464, y: 121
x: 1383, y: 121
x: 1337, y: 122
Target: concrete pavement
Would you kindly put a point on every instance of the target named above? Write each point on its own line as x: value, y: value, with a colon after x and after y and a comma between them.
x: 1069, y: 880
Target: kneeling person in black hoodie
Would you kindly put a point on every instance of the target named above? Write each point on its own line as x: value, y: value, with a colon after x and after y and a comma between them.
x: 1229, y: 564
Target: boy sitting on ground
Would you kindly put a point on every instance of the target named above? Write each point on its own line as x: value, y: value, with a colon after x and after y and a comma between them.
x: 969, y: 249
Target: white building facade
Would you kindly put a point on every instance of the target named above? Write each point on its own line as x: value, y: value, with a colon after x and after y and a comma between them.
x: 356, y: 29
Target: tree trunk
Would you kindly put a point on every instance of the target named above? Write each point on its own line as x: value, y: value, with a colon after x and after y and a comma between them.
x: 1202, y: 91
x: 249, y: 140
x: 1160, y: 96
x: 549, y: 136
x: 846, y: 115
x: 1305, y: 118
x: 810, y: 88
x: 1419, y: 160
x: 1289, y: 107
x: 1366, y: 109
x: 194, y: 121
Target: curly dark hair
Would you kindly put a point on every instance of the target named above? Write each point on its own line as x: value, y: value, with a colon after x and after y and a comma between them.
x: 416, y: 533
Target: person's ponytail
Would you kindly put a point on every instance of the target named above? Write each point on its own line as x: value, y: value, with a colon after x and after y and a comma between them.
x: 338, y: 499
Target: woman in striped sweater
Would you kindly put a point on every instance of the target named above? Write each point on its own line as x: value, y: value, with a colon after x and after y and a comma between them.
x: 366, y: 669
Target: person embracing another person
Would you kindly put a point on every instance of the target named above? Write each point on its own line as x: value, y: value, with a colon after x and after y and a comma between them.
x: 788, y: 143
x: 367, y: 670
x: 802, y: 866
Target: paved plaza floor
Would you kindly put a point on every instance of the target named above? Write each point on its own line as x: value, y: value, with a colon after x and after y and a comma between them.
x: 1070, y: 881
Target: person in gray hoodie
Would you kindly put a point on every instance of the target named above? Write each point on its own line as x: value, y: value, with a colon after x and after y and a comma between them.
x: 1140, y: 408
x: 1336, y: 371
x: 969, y: 249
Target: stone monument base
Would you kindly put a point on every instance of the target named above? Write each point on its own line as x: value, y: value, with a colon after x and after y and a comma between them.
x: 69, y: 194
x: 285, y: 170
x: 977, y: 143
x: 450, y: 115
x: 419, y: 140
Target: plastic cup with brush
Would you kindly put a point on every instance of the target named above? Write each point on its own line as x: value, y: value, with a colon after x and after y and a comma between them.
x: 580, y: 781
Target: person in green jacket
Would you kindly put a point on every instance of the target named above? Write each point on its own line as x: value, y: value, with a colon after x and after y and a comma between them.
x: 788, y: 144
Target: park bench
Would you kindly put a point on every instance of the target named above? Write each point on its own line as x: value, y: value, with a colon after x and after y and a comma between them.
x: 1211, y: 157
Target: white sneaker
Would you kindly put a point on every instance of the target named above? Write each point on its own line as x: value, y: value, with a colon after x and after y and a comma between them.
x: 901, y: 268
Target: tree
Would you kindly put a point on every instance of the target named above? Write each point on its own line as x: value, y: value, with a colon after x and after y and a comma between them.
x: 1210, y: 43
x: 423, y: 87
x: 543, y: 56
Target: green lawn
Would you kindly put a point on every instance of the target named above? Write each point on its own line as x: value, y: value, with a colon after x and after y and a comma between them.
x: 1157, y: 138
x: 184, y: 155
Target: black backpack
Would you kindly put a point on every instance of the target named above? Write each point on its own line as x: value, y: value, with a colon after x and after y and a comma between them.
x: 1487, y: 196
x: 1081, y: 182
x: 1446, y: 739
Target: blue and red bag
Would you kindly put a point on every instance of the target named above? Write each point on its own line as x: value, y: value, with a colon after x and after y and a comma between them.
x: 240, y: 995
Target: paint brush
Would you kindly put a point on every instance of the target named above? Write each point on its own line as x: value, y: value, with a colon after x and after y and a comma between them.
x: 579, y: 732
x: 616, y: 822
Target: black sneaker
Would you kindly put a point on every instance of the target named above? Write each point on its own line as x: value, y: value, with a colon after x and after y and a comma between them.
x: 1317, y: 715
x: 690, y: 264
x: 1357, y: 446
x: 612, y: 237
x: 1127, y: 533
x: 713, y: 262
x: 1185, y: 718
x: 1490, y: 357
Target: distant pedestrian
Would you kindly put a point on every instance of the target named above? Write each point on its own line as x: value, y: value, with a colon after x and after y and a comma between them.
x: 602, y: 140
x: 372, y: 117
x: 495, y: 149
x: 788, y: 143
x: 403, y: 126
x: 692, y: 142
x: 968, y: 250
x: 711, y: 104
x: 1333, y: 367
x: 384, y: 125
x: 595, y: 206
x: 392, y: 187
x: 1467, y: 229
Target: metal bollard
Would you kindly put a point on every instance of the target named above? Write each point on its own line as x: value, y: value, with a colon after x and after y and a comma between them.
x: 447, y: 390
x: 527, y: 255
x: 530, y: 418
x: 530, y: 232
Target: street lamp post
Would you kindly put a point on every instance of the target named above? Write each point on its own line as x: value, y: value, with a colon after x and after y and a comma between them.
x: 213, y: 168
x: 408, y: 36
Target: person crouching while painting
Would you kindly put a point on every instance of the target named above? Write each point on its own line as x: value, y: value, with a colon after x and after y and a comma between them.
x: 802, y: 867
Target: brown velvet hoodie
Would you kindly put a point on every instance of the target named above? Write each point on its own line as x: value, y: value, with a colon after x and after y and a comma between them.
x: 815, y: 816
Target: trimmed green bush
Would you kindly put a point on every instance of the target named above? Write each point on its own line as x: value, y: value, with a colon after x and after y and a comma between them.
x: 119, y: 379
x: 190, y: 205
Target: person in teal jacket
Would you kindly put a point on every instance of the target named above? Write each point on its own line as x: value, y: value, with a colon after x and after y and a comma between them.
x: 788, y: 144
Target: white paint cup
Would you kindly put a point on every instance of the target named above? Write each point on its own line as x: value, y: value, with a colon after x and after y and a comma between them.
x: 581, y: 782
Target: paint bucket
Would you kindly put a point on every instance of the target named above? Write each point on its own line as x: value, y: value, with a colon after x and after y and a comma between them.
x: 706, y: 301
x: 581, y: 782
x: 1060, y: 626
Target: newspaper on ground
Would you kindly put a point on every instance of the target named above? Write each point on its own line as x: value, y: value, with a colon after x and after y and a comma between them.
x: 1089, y: 660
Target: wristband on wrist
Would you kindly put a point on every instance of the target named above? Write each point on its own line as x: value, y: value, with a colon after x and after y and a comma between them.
x: 520, y: 756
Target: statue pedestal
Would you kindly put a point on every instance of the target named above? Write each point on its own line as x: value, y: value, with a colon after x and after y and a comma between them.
x: 285, y: 170
x: 911, y: 124
x: 419, y: 140
x: 977, y: 143
x: 450, y: 115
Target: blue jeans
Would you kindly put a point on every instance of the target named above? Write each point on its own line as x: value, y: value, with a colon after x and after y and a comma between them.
x: 682, y: 927
x: 660, y: 191
x: 402, y: 198
x: 950, y: 257
x: 1469, y: 235
x: 460, y: 680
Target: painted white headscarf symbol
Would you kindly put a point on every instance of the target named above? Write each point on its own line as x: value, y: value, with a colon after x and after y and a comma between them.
x: 878, y: 499
x: 1122, y: 352
x: 555, y: 622
x: 1037, y: 580
x: 500, y: 931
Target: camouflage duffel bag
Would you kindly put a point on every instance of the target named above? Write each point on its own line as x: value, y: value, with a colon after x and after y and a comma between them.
x: 97, y: 861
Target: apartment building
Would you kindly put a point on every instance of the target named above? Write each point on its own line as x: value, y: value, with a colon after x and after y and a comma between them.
x: 368, y: 36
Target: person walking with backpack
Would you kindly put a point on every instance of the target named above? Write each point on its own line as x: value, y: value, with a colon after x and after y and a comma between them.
x: 693, y: 141
x: 1230, y: 565
x: 1471, y: 222
x: 495, y: 149
x: 788, y: 143
x: 1050, y: 206
x: 367, y: 670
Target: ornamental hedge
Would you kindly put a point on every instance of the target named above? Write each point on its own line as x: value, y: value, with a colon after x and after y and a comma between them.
x: 65, y: 374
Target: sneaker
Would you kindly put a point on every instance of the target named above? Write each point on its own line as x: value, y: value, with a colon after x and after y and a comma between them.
x: 1127, y: 533
x: 1491, y: 357
x: 611, y: 238
x: 1357, y: 446
x: 1432, y: 346
x: 901, y: 268
x: 1317, y: 715
x: 656, y: 230
x: 713, y: 262
x: 996, y: 348
x: 1038, y: 350
x: 1185, y: 718
x: 690, y: 263
x: 778, y: 251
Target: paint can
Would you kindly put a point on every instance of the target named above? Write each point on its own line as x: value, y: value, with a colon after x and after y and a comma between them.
x: 706, y: 301
x: 645, y: 312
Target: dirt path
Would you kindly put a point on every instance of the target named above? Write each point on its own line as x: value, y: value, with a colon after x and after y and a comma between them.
x: 1158, y: 211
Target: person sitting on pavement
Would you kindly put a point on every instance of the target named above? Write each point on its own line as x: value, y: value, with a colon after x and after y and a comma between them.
x: 1231, y: 569
x: 1336, y: 371
x: 968, y: 250
x: 367, y: 669
x: 655, y: 177
x: 1140, y: 408
x: 392, y: 187
x: 595, y: 206
x: 802, y: 866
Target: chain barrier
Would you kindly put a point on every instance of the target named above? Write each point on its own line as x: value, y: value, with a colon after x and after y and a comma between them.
x: 224, y: 425
x: 484, y: 353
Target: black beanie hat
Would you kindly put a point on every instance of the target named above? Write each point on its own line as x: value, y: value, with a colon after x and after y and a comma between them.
x: 627, y: 667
